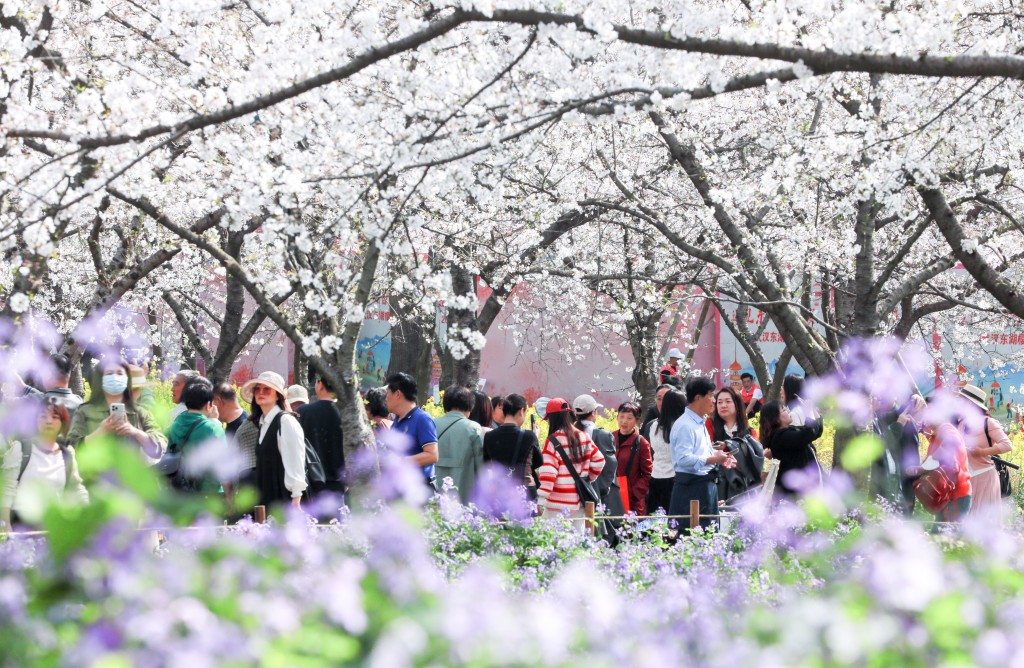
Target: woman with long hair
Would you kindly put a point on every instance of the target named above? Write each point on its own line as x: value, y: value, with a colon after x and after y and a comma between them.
x: 789, y: 444
x: 40, y: 462
x: 483, y: 411
x: 111, y: 412
x: 728, y: 424
x: 792, y: 397
x: 557, y: 491
x: 663, y: 472
x: 729, y: 420
x: 281, y: 449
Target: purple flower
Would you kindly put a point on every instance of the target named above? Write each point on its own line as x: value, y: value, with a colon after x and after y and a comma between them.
x: 214, y: 456
x: 498, y: 495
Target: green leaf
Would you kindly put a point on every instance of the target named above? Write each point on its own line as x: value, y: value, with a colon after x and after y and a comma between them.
x: 70, y: 529
x: 862, y: 452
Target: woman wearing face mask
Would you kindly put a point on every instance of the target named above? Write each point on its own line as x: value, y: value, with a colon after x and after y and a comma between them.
x: 111, y: 384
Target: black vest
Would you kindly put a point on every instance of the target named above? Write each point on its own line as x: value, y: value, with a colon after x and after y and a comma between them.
x: 270, y: 467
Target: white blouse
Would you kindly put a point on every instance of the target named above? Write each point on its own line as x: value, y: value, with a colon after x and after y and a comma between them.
x: 664, y: 467
x: 45, y: 470
x: 291, y: 442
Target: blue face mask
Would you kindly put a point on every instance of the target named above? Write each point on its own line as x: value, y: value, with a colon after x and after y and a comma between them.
x: 115, y: 384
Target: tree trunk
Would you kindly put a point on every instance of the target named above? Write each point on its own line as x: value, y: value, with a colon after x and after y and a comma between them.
x: 410, y: 345
x: 772, y: 392
x: 158, y: 350
x: 465, y: 370
x: 76, y: 381
x: 643, y: 342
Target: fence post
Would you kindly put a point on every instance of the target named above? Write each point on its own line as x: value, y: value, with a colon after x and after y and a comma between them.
x: 588, y: 510
x: 260, y: 514
x: 694, y: 514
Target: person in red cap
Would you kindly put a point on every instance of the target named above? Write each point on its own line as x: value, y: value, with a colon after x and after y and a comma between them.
x: 557, y: 491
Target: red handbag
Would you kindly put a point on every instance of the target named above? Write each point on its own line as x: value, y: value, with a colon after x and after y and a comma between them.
x: 624, y: 491
x: 935, y: 489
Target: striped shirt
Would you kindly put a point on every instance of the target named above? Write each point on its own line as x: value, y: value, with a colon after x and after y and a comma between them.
x: 557, y: 490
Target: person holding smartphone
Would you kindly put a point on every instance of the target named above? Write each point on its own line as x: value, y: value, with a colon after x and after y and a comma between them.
x: 111, y: 412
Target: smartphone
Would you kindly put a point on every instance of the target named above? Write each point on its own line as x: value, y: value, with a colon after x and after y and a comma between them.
x: 533, y: 422
x: 117, y: 411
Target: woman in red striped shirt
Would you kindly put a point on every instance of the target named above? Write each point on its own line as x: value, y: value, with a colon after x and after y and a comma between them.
x: 557, y: 491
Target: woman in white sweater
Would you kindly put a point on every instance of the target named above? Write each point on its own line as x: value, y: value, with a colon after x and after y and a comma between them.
x: 41, y: 463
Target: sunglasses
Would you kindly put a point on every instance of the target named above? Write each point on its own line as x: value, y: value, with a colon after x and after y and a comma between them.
x: 262, y: 388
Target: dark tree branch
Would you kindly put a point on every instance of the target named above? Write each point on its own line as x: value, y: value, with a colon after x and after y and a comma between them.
x: 1003, y: 292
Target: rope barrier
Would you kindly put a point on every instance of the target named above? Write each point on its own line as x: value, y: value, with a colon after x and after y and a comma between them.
x: 590, y: 517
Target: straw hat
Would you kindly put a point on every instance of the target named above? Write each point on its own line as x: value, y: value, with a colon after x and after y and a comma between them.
x: 272, y: 380
x: 975, y: 395
x: 138, y: 376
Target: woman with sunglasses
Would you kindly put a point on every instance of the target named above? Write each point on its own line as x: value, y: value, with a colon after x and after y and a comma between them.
x: 281, y: 449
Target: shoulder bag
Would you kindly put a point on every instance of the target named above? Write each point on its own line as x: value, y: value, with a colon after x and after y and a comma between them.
x: 1002, y: 468
x: 584, y: 489
x: 170, y: 464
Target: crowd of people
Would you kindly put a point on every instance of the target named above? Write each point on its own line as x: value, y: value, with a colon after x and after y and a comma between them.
x: 696, y: 443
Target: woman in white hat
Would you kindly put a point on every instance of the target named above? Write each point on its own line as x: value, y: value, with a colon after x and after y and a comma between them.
x: 281, y: 450
x: 984, y: 437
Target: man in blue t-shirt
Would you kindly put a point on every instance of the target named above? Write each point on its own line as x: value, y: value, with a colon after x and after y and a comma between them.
x: 412, y: 420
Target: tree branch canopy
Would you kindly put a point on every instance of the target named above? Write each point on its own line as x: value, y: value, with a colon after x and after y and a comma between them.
x: 973, y: 262
x: 817, y: 61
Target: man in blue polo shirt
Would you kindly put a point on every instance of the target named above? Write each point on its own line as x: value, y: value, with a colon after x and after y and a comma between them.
x: 413, y: 421
x: 695, y: 457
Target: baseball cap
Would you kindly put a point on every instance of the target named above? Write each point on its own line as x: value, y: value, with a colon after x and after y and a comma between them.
x: 584, y: 404
x: 556, y: 405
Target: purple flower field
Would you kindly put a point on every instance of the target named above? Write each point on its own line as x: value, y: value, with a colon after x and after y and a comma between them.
x: 394, y: 587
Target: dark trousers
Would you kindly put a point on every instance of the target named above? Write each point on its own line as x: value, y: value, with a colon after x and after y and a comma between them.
x: 659, y: 495
x: 702, y: 488
x: 955, y: 511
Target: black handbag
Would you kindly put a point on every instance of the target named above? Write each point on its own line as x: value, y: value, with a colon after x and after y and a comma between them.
x: 1002, y: 469
x: 584, y: 489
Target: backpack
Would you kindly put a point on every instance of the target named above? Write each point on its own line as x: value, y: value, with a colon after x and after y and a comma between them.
x: 316, y: 479
x: 170, y: 463
x: 26, y: 455
x: 314, y: 468
x: 935, y: 489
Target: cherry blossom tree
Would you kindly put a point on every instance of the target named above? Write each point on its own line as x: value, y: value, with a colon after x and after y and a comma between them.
x: 783, y: 144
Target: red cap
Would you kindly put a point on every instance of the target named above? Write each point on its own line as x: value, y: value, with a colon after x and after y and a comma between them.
x: 556, y: 405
